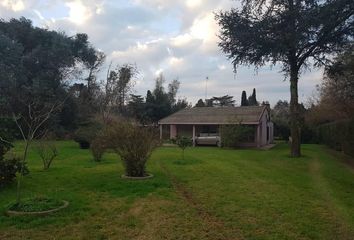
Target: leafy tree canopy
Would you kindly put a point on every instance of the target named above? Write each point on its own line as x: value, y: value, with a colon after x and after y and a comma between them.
x: 293, y: 33
x: 244, y: 101
x: 223, y: 101
x: 36, y: 60
x: 200, y: 103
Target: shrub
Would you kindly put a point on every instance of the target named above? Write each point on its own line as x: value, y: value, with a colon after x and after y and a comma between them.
x: 282, y: 130
x: 98, y: 147
x: 35, y: 204
x: 338, y: 135
x: 47, y: 150
x: 6, y: 136
x: 183, y: 142
x: 232, y: 135
x: 9, y: 165
x: 86, y: 133
x: 9, y: 168
x: 134, y: 144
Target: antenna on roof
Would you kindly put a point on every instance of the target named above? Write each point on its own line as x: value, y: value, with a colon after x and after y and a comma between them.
x: 206, y: 88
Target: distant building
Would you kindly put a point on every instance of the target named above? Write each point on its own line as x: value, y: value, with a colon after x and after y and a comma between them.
x: 202, y: 124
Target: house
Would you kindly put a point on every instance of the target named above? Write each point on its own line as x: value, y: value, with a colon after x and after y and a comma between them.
x: 199, y: 122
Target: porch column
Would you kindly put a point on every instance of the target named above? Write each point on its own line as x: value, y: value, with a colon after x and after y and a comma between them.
x: 193, y: 136
x: 219, y: 133
x: 160, y: 132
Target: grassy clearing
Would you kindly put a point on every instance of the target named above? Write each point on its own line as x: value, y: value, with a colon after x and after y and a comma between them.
x: 212, y: 194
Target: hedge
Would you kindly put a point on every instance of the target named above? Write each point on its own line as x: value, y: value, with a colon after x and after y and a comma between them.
x: 338, y: 135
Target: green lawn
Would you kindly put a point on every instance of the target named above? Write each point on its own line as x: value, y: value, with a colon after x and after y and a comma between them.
x: 213, y: 194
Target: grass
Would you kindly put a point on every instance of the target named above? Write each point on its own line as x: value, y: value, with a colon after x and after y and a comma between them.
x: 212, y: 194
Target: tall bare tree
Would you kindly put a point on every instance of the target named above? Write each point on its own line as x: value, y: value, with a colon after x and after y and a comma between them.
x: 93, y: 66
x: 30, y: 123
x: 125, y: 83
x: 117, y: 86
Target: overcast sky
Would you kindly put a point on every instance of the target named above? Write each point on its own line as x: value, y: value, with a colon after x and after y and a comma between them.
x: 176, y: 37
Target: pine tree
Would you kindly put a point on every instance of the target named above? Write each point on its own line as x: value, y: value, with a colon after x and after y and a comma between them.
x: 252, y: 100
x: 200, y: 103
x: 149, y: 97
x: 244, y: 101
x: 223, y: 101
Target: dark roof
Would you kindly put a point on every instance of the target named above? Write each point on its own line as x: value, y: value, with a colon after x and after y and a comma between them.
x: 216, y: 115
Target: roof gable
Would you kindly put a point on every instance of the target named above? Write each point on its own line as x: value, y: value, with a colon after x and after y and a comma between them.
x: 216, y: 115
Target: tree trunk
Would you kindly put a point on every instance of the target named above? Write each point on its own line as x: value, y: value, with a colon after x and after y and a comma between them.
x: 19, y: 180
x: 294, y: 114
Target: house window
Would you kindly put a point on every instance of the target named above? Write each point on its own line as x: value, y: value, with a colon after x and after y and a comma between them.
x: 209, y: 129
x: 205, y: 129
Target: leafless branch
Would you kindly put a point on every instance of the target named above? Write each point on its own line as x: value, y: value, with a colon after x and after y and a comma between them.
x: 3, y: 140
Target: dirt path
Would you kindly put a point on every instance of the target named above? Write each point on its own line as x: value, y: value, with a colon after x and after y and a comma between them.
x: 213, y: 227
x: 331, y: 212
x: 347, y: 160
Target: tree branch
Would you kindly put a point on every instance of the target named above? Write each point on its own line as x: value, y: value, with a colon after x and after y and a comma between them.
x: 321, y: 39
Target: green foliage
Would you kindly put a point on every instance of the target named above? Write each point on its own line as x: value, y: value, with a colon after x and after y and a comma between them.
x: 134, y: 144
x: 252, y: 100
x: 98, y: 147
x: 244, y: 101
x: 136, y: 107
x: 36, y: 204
x: 337, y: 89
x: 9, y: 167
x: 183, y: 142
x: 86, y: 133
x: 161, y: 103
x: 47, y: 150
x: 10, y: 64
x: 223, y: 101
x: 7, y: 134
x: 281, y: 119
x: 338, y: 135
x: 119, y: 84
x: 234, y: 134
x: 295, y: 34
x: 200, y: 103
x: 33, y: 65
x: 256, y: 33
x: 179, y: 105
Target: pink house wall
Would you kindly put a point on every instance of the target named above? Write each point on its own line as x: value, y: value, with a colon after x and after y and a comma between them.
x: 260, y: 131
x: 173, y: 131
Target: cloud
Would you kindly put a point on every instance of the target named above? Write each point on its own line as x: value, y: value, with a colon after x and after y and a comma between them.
x: 78, y: 13
x: 193, y: 3
x: 14, y: 5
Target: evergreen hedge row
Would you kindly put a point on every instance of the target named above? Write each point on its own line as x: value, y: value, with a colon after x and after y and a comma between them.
x: 338, y: 135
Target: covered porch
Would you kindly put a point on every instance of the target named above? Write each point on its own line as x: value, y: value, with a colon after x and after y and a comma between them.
x: 203, y: 125
x: 209, y: 134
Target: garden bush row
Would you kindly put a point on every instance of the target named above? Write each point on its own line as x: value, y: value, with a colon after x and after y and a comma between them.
x: 338, y: 135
